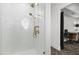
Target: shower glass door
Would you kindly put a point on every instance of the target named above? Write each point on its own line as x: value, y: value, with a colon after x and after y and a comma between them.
x: 22, y: 28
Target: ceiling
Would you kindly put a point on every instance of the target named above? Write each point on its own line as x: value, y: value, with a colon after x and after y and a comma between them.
x: 72, y: 10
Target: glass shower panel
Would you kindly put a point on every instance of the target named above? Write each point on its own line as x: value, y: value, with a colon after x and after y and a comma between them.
x: 18, y: 29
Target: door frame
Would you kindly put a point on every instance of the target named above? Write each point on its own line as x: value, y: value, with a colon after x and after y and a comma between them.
x: 62, y: 30
x: 62, y: 27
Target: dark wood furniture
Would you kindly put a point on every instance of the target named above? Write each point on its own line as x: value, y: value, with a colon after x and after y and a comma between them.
x: 72, y: 36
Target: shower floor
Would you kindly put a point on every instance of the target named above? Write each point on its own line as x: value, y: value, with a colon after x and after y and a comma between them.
x: 28, y: 52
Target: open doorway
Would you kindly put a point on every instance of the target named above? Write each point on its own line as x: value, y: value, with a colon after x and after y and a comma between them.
x: 69, y: 28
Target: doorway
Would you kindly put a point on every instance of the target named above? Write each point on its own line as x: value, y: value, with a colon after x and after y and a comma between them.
x: 69, y: 29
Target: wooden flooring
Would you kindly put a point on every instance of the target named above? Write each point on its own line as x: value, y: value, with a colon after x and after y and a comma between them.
x: 69, y: 49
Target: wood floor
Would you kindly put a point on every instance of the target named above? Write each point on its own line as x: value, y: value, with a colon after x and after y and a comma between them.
x: 69, y: 49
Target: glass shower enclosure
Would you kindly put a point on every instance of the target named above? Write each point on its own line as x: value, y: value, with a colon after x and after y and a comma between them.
x: 22, y: 28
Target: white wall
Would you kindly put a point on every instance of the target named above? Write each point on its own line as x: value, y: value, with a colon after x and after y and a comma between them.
x: 55, y: 22
x: 69, y: 23
x: 48, y: 28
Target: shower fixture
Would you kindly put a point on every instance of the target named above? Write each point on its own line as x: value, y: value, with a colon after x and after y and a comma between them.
x: 32, y: 15
x: 36, y: 31
x: 35, y: 21
x: 35, y: 15
x: 34, y: 4
x: 35, y: 27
